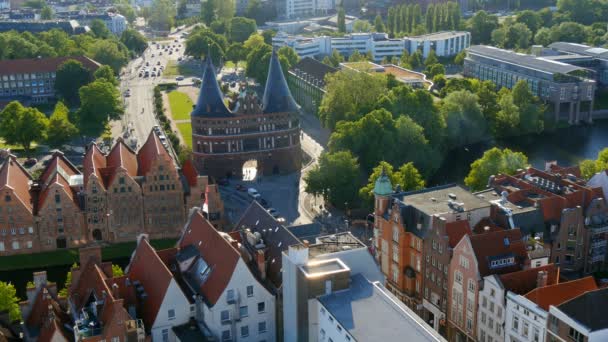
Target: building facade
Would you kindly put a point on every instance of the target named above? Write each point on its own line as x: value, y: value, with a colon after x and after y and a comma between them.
x: 380, y: 46
x: 33, y: 80
x: 116, y: 197
x: 561, y: 84
x: 265, y: 132
x: 580, y: 319
x: 306, y: 81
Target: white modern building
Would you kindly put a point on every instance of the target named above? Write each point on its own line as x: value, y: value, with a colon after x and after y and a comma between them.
x: 492, y: 310
x: 526, y: 319
x: 320, y: 268
x: 367, y: 311
x: 230, y: 302
x: 5, y: 5
x: 115, y: 22
x: 445, y: 44
x: 308, y: 8
x: 580, y: 319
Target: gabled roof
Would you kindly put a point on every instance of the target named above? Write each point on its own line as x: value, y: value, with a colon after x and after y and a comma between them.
x: 496, y: 245
x: 151, y: 149
x: 122, y: 156
x: 590, y: 309
x: 559, y: 293
x: 13, y: 176
x: 486, y: 225
x: 277, y: 97
x: 210, y: 101
x: 45, y: 304
x: 94, y: 160
x: 314, y: 69
x: 522, y: 282
x: 276, y: 237
x: 220, y: 256
x: 456, y: 230
x: 190, y: 172
x: 148, y: 268
x: 58, y: 171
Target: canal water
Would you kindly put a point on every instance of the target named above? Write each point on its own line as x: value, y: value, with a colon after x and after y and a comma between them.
x: 567, y: 145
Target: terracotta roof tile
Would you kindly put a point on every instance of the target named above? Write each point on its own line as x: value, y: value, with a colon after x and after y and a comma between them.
x: 218, y: 253
x: 155, y: 283
x: 480, y: 227
x: 456, y: 230
x: 190, y: 172
x: 30, y: 65
x: 58, y: 171
x: 14, y: 176
x: 122, y: 156
x: 43, y: 302
x: 47, y: 332
x: 94, y: 160
x: 494, y: 244
x: 151, y: 149
x: 522, y: 282
x: 559, y: 293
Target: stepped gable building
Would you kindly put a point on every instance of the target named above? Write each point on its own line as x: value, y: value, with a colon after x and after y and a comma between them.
x: 267, y: 131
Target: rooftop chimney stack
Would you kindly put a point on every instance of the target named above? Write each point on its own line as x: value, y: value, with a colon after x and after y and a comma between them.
x: 261, y: 262
x: 542, y: 278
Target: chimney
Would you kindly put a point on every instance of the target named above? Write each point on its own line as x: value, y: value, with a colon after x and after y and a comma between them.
x: 39, y: 279
x: 87, y: 254
x: 306, y: 243
x: 261, y: 261
x: 541, y: 279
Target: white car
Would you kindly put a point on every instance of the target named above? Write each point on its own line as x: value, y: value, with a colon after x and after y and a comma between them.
x: 253, y: 193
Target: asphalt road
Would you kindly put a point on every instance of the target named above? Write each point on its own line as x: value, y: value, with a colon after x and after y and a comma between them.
x: 139, y: 108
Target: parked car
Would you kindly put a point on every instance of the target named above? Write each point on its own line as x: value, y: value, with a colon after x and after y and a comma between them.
x: 30, y: 162
x: 240, y: 187
x: 273, y: 212
x: 253, y: 193
x: 179, y: 78
x: 264, y: 203
x: 158, y: 63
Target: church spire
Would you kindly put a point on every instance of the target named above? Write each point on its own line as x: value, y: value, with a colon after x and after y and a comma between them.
x: 277, y: 97
x: 210, y: 101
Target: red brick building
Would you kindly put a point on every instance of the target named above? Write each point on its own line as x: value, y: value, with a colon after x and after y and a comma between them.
x: 474, y: 258
x: 267, y: 131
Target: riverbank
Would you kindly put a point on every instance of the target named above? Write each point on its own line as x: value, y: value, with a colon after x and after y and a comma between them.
x: 41, y: 261
x: 567, y: 145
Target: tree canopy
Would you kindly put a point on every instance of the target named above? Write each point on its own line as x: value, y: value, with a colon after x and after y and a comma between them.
x: 336, y: 178
x: 100, y: 101
x: 70, y: 76
x: 60, y: 129
x: 9, y: 301
x: 407, y: 177
x: 493, y: 162
x: 22, y: 125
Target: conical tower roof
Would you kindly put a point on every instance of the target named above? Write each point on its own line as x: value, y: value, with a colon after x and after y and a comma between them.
x: 210, y: 101
x: 383, y: 186
x: 277, y: 97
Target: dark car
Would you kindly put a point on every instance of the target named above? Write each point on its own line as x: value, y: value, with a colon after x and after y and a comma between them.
x: 240, y: 187
x: 30, y: 162
x: 264, y: 203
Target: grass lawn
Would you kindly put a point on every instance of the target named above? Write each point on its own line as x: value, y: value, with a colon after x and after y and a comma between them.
x: 180, y: 104
x: 187, y: 69
x: 185, y: 129
x: 69, y: 256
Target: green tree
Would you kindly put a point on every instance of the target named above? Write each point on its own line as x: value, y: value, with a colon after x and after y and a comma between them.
x: 99, y: 29
x: 336, y: 178
x: 22, y: 125
x: 588, y: 168
x: 434, y: 70
x: 507, y: 118
x: 68, y: 281
x: 430, y: 14
x: 465, y: 121
x: 543, y: 37
x: 349, y: 95
x: 268, y: 35
x: 182, y: 8
x: 334, y: 59
x: 208, y: 11
x: 220, y: 27
x: 100, y: 102
x: 111, y: 53
x: 290, y: 55
x: 415, y: 60
x: 493, y: 162
x: 225, y: 9
x: 409, y: 178
x: 9, y: 301
x: 46, y: 13
x: 530, y: 108
x: 117, y: 271
x: 70, y: 76
x: 254, y: 41
x: 341, y: 19
x: 255, y: 10
x: 362, y: 26
x: 439, y: 81
x: 241, y: 28
x: 379, y: 24
x: 459, y: 58
x: 203, y: 42
x: 431, y: 59
x: 60, y: 129
x: 106, y: 73
x: 517, y: 36
x: 162, y: 16
x: 366, y: 193
x: 128, y: 11
x: 134, y: 41
x: 488, y: 101
x: 569, y: 32
x: 481, y: 26
x: 236, y: 52
x: 531, y: 19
